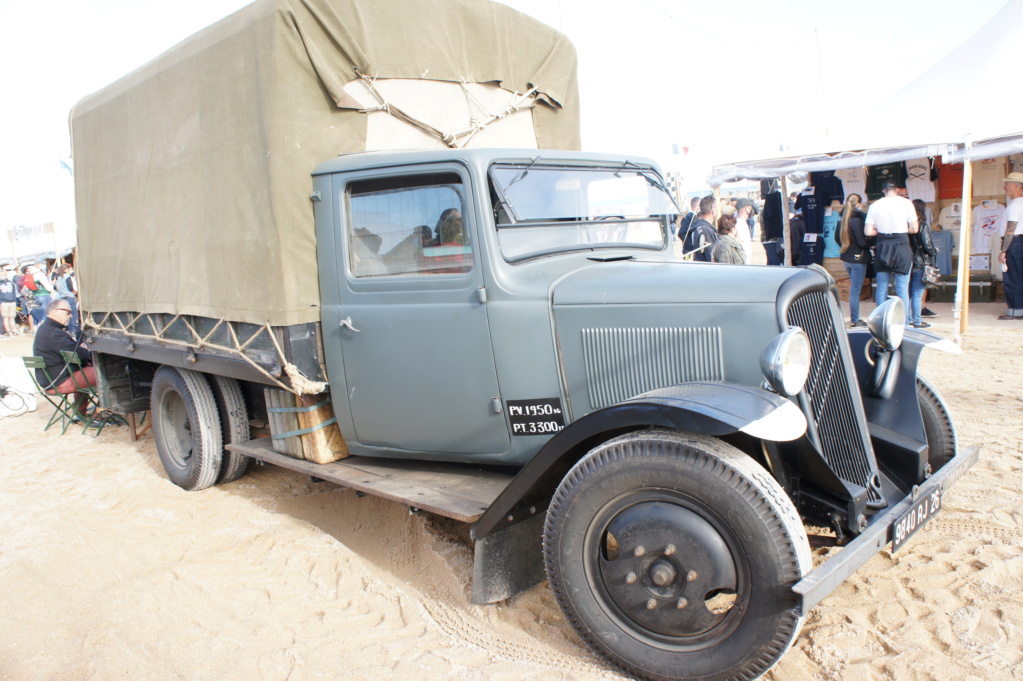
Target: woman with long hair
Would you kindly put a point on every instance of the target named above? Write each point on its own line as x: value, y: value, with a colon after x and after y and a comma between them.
x: 923, y: 253
x: 856, y: 253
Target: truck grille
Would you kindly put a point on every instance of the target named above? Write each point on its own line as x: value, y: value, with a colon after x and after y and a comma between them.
x: 832, y: 399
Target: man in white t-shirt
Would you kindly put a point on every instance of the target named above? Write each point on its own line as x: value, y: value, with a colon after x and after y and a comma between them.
x: 892, y: 219
x: 1011, y: 255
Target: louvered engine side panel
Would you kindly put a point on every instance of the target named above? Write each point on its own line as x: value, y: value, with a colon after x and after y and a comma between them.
x: 625, y: 362
x: 830, y: 393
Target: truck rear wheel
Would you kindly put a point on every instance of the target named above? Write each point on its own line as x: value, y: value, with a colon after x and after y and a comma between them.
x: 234, y: 425
x: 938, y: 425
x: 674, y: 556
x: 186, y: 427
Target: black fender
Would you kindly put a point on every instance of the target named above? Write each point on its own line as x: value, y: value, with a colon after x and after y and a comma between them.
x: 893, y: 414
x: 708, y: 408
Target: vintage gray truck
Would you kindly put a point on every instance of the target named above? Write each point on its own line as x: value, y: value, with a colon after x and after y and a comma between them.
x: 501, y: 336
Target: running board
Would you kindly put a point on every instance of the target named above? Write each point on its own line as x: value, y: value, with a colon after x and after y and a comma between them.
x: 458, y: 491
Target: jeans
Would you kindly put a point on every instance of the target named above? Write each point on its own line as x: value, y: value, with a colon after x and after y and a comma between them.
x: 901, y: 288
x: 916, y: 293
x: 1013, y: 279
x: 857, y: 271
x: 39, y: 314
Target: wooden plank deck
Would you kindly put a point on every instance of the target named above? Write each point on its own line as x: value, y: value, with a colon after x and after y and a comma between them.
x: 455, y: 491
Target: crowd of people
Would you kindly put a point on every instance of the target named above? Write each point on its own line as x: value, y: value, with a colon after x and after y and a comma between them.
x: 26, y: 292
x: 891, y: 242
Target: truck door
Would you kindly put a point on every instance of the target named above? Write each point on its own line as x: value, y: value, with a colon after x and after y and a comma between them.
x: 415, y: 340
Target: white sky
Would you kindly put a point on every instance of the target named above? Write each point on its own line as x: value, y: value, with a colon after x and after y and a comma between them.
x: 730, y: 79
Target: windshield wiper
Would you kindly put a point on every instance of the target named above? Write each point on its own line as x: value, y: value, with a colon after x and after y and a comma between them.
x: 525, y: 171
x: 654, y: 182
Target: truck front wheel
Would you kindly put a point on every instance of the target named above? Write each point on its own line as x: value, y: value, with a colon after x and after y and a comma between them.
x: 674, y: 555
x: 186, y: 427
x: 938, y: 425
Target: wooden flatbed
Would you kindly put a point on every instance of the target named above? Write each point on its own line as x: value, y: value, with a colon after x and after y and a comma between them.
x: 456, y: 491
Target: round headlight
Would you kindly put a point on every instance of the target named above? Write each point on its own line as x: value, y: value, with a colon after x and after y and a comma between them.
x: 786, y: 361
x: 887, y: 323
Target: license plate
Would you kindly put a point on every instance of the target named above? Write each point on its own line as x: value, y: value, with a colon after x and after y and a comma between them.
x: 922, y: 510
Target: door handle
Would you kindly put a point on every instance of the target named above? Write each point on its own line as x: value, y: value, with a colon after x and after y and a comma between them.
x: 346, y: 323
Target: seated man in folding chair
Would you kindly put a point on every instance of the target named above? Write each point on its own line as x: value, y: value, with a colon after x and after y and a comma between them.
x: 52, y: 336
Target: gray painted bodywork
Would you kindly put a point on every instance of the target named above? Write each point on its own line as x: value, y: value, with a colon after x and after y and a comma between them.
x: 431, y: 369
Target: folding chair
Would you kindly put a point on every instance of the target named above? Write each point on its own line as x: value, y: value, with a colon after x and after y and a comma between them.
x: 98, y: 418
x: 63, y: 405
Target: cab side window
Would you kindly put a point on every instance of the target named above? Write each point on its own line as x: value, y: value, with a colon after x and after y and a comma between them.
x: 411, y: 225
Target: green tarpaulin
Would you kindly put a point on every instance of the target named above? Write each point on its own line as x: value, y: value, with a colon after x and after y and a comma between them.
x: 193, y: 172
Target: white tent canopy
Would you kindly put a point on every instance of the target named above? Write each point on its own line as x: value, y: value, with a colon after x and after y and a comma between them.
x: 966, y: 106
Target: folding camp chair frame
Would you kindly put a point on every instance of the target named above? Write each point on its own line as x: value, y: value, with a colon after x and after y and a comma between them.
x: 98, y: 418
x: 63, y: 404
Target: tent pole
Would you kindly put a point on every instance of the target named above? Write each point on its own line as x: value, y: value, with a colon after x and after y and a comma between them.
x: 786, y: 231
x: 961, y: 308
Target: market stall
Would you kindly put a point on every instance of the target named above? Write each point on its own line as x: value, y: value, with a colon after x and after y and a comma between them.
x: 963, y: 110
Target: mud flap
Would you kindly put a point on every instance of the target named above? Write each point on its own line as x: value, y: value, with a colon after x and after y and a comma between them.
x: 509, y: 561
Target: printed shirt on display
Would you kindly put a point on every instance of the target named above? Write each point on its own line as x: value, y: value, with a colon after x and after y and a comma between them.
x: 989, y: 177
x: 987, y: 223
x: 854, y: 180
x: 831, y: 220
x: 950, y: 180
x: 918, y: 180
x: 950, y: 219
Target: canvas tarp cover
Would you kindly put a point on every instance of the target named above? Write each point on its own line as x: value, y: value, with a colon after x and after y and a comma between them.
x: 193, y: 172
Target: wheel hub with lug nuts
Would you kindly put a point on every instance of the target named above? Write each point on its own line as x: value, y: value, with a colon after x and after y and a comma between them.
x: 667, y: 568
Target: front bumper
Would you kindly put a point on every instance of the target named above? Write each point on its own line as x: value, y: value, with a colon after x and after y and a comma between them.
x: 821, y: 581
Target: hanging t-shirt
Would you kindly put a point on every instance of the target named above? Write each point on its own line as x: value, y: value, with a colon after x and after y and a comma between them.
x: 945, y: 244
x: 879, y: 174
x: 950, y: 218
x: 832, y: 218
x: 919, y: 182
x: 813, y: 209
x: 988, y: 221
x: 829, y: 187
x: 811, y: 250
x: 950, y: 180
x: 854, y: 181
x: 989, y: 177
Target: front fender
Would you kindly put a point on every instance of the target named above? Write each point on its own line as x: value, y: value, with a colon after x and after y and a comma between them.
x: 710, y: 408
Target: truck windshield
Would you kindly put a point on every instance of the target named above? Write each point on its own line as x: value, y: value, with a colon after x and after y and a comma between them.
x: 543, y: 209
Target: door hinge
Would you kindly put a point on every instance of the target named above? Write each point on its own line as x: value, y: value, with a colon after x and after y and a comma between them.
x: 481, y: 294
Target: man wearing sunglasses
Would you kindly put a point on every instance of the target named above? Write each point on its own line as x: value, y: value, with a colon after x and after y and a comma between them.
x: 51, y: 337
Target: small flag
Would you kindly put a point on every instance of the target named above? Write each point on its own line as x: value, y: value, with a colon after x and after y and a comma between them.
x: 64, y: 164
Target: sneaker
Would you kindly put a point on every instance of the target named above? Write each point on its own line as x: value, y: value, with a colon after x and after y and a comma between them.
x: 921, y: 325
x: 928, y: 313
x: 858, y: 322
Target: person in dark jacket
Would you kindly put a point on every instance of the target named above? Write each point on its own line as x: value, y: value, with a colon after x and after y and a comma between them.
x: 702, y: 234
x: 687, y: 221
x: 923, y: 254
x: 855, y: 253
x: 51, y: 337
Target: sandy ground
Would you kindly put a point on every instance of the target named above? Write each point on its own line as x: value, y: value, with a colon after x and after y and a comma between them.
x: 108, y: 571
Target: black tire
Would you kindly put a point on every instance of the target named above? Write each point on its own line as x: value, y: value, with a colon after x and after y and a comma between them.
x: 709, y: 594
x: 186, y: 427
x: 234, y: 425
x: 942, y: 443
